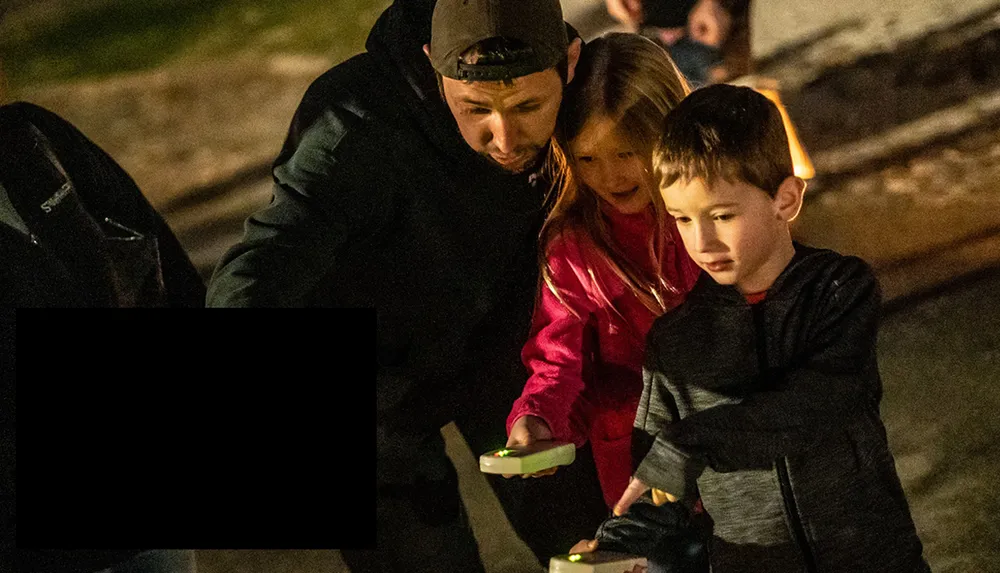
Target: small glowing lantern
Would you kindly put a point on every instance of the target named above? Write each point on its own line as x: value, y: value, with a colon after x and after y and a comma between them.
x: 768, y: 87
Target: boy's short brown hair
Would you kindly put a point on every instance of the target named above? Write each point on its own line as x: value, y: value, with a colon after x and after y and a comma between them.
x: 724, y: 131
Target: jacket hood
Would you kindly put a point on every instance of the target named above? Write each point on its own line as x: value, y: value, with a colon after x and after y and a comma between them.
x: 396, y: 42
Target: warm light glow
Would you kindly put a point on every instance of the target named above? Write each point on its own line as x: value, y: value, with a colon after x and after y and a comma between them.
x: 575, y: 557
x: 769, y: 89
x: 659, y: 497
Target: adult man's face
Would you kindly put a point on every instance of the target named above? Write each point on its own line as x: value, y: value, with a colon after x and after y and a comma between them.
x: 509, y: 123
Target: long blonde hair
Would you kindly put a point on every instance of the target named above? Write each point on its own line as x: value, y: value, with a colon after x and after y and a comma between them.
x: 632, y: 81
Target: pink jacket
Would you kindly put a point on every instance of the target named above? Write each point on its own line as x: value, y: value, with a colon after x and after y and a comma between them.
x: 586, y: 370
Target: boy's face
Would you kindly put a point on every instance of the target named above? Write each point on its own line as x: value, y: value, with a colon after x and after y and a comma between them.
x: 735, y: 231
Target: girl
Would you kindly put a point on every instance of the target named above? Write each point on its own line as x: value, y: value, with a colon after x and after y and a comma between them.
x: 610, y: 259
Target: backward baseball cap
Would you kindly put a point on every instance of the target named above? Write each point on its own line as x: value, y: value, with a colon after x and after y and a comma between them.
x: 457, y: 25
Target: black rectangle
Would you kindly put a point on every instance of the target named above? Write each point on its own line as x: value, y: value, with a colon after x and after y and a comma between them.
x: 209, y: 428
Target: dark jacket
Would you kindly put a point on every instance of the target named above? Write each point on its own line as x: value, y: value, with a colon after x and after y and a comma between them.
x: 379, y: 202
x: 773, y: 410
x: 70, y: 561
x: 75, y: 230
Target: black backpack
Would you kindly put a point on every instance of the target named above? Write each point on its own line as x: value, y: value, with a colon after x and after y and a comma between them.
x: 75, y: 230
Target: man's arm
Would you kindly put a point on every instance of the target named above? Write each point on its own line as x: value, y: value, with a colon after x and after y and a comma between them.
x: 324, y: 196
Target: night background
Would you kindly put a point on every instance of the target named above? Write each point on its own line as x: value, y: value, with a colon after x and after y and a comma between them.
x: 897, y: 104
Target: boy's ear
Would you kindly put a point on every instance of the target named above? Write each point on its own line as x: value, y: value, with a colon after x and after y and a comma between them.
x: 788, y: 199
x: 427, y: 51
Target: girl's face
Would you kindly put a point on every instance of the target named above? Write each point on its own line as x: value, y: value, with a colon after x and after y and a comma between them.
x: 612, y: 166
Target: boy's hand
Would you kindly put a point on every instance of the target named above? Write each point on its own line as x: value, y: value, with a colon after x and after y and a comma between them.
x: 633, y: 492
x: 526, y: 431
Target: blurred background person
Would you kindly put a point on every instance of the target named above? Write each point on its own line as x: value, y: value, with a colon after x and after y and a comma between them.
x: 708, y: 39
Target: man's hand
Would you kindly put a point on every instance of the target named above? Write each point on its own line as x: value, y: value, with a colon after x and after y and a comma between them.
x: 709, y: 23
x: 526, y: 431
x: 628, y: 12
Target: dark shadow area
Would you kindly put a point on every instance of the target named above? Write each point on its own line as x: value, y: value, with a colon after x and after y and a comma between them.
x: 237, y: 182
x: 902, y: 156
x: 950, y: 246
x: 903, y: 304
x: 886, y: 90
x: 792, y: 50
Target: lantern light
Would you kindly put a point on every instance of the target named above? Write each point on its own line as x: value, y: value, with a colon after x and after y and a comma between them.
x: 768, y: 87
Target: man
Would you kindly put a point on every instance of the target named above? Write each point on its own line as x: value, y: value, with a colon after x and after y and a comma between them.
x: 409, y: 182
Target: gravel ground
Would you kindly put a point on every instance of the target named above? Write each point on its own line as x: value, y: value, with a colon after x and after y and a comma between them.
x: 187, y: 125
x: 940, y: 362
x: 913, y: 206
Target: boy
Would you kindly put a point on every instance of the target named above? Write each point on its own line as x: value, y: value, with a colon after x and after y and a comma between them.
x: 761, y: 392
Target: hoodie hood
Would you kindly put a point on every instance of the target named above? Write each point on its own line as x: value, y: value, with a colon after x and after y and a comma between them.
x: 396, y: 42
